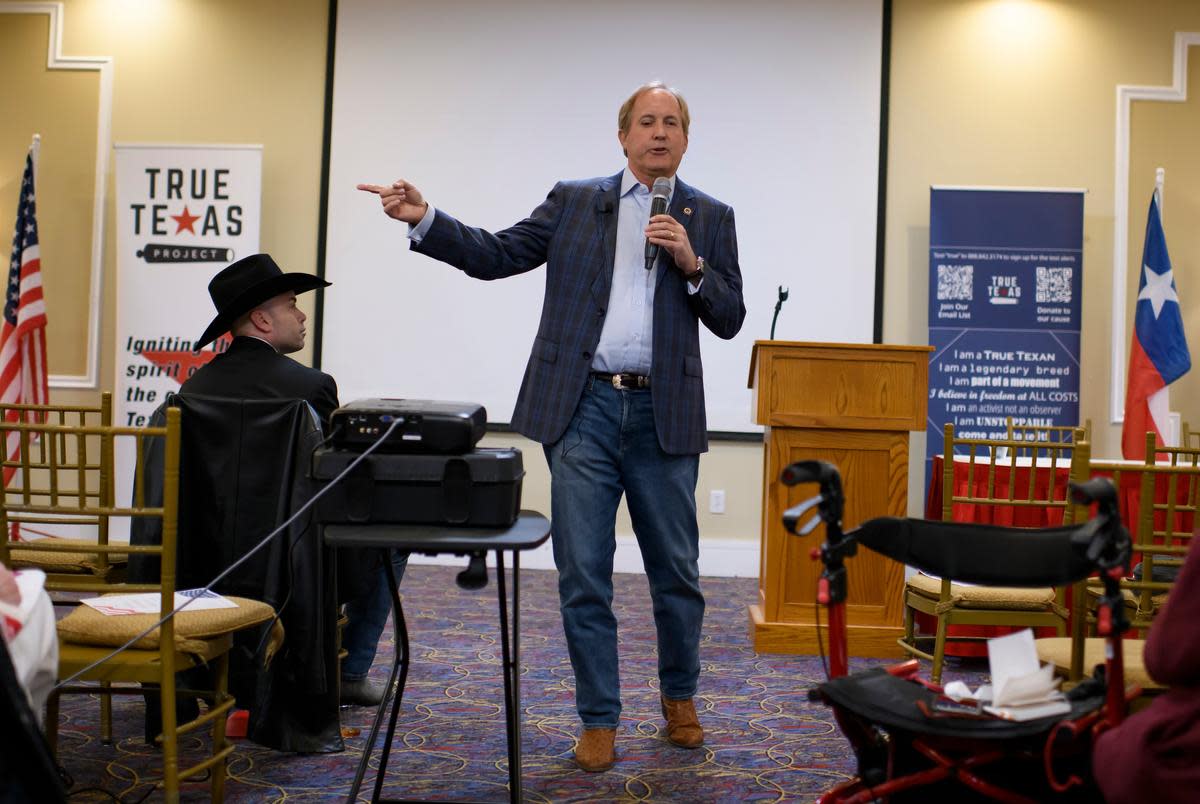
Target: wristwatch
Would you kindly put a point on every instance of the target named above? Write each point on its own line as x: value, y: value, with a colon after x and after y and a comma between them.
x: 698, y: 272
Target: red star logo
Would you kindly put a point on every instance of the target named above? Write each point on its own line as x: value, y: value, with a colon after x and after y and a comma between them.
x: 185, y: 221
x: 179, y: 365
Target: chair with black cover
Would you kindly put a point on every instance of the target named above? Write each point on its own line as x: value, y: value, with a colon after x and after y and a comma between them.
x: 909, y: 743
x: 115, y: 651
x: 244, y: 471
x: 1002, y: 476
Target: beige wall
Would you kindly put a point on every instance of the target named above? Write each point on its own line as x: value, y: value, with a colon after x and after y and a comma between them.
x: 1024, y: 94
x: 61, y: 106
x: 1167, y: 135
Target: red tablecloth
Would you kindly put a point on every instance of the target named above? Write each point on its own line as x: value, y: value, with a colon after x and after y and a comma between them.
x: 1129, y: 495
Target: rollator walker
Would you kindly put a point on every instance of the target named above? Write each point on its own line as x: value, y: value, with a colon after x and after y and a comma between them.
x: 905, y: 734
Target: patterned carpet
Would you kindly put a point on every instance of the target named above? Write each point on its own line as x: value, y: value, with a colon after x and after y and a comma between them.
x: 764, y: 741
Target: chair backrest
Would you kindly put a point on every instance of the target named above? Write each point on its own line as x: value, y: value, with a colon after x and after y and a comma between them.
x: 1042, y: 433
x: 1158, y: 504
x: 1169, y: 494
x: 1186, y: 454
x: 1188, y: 437
x: 69, y: 463
x: 1015, y: 473
x: 46, y: 489
x: 239, y: 461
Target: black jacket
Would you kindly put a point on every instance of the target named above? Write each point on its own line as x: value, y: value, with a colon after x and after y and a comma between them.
x: 243, y: 472
x: 252, y: 369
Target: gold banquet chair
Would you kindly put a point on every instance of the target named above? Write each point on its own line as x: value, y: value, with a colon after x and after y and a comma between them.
x: 87, y: 637
x: 1045, y: 433
x: 67, y: 465
x: 993, y: 469
x: 1189, y: 438
x: 1168, y: 492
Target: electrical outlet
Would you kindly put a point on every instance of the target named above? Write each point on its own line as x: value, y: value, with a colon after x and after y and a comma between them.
x: 716, y: 501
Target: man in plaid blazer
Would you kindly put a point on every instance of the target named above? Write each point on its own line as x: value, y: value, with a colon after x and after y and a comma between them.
x: 614, y: 389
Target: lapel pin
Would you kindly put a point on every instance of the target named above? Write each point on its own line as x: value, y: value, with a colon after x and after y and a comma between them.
x: 687, y: 210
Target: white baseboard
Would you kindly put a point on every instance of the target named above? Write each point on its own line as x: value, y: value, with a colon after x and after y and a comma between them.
x: 721, y: 558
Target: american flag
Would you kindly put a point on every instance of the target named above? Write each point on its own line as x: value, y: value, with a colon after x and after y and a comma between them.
x: 23, y: 373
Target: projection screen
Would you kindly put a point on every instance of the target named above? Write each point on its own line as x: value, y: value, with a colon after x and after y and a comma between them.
x: 484, y: 105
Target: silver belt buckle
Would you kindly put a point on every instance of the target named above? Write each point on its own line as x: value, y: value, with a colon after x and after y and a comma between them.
x: 617, y: 382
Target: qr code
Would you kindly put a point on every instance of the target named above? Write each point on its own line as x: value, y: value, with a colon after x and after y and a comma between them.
x: 954, y: 282
x: 1053, y: 285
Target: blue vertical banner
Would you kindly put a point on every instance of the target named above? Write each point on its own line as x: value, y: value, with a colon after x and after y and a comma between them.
x: 1005, y: 301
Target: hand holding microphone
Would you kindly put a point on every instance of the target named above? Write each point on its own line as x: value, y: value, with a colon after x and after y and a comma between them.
x: 659, y: 196
x: 666, y: 233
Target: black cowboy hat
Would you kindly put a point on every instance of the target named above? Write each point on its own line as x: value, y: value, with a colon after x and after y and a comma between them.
x: 244, y: 285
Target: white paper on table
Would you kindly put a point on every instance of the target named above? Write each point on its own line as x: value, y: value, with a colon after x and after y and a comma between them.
x: 148, y: 602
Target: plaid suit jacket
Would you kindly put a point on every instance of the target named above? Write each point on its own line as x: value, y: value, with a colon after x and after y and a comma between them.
x: 574, y: 233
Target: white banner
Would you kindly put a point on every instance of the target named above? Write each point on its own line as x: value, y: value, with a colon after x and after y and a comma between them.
x: 184, y: 212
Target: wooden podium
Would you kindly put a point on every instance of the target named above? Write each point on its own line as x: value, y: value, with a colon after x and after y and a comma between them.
x: 852, y: 405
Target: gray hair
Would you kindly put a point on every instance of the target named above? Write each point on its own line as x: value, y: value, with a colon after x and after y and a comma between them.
x: 625, y: 115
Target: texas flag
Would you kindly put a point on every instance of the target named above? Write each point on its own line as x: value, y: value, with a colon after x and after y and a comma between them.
x: 1159, y: 353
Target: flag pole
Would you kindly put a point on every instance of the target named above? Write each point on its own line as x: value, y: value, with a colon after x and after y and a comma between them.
x: 35, y: 148
x: 1159, y: 175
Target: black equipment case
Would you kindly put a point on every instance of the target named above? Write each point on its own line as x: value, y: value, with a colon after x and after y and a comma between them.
x: 424, y: 425
x: 478, y: 488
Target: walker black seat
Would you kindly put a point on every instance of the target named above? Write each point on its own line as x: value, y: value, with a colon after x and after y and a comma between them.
x: 907, y: 744
x: 892, y: 702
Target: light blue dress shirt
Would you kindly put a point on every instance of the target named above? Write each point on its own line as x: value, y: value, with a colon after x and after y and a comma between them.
x: 627, y: 339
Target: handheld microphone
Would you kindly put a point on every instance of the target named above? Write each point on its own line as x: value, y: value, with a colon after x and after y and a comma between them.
x: 658, y: 205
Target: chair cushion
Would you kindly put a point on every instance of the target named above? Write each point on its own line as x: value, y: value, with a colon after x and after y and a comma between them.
x: 1133, y: 602
x: 86, y: 626
x: 1057, y: 651
x: 985, y: 597
x: 56, y: 561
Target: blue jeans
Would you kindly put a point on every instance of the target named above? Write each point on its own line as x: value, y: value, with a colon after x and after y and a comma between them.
x: 610, y: 448
x: 368, y: 615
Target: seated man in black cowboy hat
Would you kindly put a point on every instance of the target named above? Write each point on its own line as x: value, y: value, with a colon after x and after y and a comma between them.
x: 256, y: 303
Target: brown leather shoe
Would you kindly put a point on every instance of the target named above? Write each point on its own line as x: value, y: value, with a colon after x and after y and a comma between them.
x: 683, y: 727
x: 596, y: 750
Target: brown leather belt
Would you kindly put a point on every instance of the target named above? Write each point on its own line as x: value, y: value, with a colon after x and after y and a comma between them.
x: 623, y: 382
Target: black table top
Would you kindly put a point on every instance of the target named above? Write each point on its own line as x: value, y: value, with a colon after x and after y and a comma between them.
x: 529, y: 531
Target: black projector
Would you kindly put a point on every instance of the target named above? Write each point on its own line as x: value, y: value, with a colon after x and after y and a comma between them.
x: 424, y: 425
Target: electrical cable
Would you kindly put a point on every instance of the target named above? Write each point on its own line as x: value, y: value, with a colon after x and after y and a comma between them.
x: 266, y: 539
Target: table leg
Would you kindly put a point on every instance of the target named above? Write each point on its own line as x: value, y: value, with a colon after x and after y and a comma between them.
x: 512, y: 671
x: 399, y: 666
